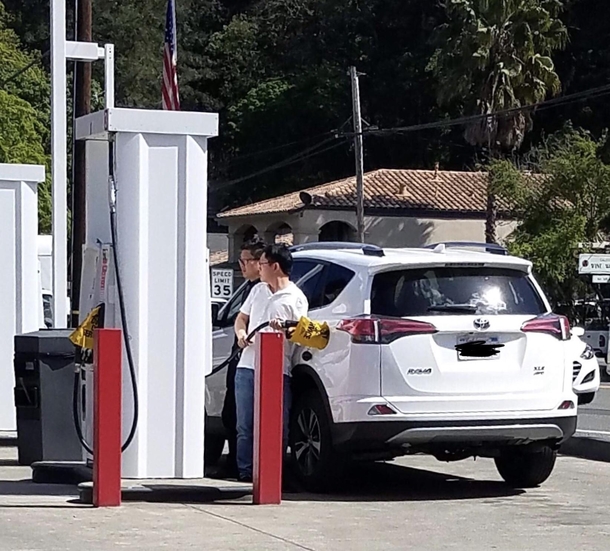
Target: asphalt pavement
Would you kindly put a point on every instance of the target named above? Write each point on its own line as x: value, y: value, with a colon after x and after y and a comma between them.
x: 413, y: 503
x: 594, y: 418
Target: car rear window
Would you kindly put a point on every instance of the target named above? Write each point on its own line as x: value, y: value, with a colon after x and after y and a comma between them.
x: 454, y: 291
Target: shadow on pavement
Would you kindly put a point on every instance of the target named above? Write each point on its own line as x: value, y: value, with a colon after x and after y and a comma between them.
x: 75, y: 505
x: 587, y: 448
x: 29, y: 488
x: 390, y: 482
x: 184, y: 494
x: 172, y: 493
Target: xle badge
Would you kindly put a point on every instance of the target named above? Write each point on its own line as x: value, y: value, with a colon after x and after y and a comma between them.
x: 538, y: 370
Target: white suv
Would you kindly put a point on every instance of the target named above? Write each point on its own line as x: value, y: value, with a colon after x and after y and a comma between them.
x: 586, y: 377
x: 445, y: 351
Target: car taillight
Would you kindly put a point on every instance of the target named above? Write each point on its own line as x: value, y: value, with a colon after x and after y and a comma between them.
x: 383, y: 330
x: 361, y: 330
x: 392, y: 329
x: 553, y: 324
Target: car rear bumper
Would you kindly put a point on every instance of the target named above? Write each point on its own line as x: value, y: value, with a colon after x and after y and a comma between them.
x: 374, y: 435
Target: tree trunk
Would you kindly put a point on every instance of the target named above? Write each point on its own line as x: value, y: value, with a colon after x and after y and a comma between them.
x: 491, y: 218
x: 491, y: 211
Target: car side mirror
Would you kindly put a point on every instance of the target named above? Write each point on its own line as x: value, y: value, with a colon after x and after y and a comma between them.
x: 578, y: 331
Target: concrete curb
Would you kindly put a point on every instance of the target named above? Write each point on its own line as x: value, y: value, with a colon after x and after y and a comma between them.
x: 587, y: 447
x: 159, y: 493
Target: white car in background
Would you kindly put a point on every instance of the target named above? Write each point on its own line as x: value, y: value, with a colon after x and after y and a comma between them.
x: 445, y: 351
x: 585, y: 368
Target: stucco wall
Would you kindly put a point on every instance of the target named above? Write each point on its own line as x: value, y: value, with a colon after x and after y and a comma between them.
x: 385, y: 231
x: 405, y: 232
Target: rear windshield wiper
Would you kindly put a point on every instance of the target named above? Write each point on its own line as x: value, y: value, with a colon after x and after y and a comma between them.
x: 464, y: 308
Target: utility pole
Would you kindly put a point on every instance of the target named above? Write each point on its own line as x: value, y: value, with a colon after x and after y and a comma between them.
x: 358, y: 147
x: 82, y: 106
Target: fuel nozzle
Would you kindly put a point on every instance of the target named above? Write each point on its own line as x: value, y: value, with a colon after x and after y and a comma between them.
x: 306, y: 332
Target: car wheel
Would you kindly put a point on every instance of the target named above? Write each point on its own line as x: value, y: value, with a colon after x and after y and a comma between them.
x: 525, y: 468
x: 586, y: 398
x: 314, y: 461
x: 213, y: 447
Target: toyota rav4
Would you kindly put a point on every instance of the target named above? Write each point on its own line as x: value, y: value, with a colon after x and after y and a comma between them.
x: 446, y: 351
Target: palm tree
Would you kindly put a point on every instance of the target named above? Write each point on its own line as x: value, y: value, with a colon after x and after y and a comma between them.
x: 494, y: 55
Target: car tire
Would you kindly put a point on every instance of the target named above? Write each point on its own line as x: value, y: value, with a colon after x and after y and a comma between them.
x: 586, y: 398
x: 521, y: 467
x: 315, y: 462
x: 213, y: 447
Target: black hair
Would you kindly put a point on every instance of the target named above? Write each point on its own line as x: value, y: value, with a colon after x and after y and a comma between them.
x: 254, y: 246
x: 280, y: 254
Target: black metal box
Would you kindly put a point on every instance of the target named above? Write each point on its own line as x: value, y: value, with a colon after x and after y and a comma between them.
x: 44, y: 379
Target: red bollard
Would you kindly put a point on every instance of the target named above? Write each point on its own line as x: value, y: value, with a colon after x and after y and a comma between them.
x: 107, y: 376
x: 268, y: 418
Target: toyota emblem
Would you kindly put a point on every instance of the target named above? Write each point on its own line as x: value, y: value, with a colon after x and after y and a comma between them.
x: 481, y: 324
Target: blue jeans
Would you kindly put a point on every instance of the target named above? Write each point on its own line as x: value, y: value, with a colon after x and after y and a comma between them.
x: 244, y: 399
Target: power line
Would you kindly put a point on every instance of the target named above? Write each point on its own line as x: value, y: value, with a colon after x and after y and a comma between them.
x: 546, y: 104
x: 305, y: 154
x: 260, y: 152
x: 23, y: 70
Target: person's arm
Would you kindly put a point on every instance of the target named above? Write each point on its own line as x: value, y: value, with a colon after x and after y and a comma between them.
x: 289, y: 312
x: 241, y: 329
x: 241, y: 321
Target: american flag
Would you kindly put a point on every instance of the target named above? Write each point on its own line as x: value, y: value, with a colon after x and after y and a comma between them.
x: 171, y: 101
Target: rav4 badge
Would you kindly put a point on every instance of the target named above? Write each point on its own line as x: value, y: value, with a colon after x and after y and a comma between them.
x: 420, y: 371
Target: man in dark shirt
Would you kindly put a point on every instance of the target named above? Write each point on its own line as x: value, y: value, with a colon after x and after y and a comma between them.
x: 250, y: 254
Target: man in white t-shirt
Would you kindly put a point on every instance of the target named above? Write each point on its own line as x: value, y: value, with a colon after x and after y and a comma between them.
x: 275, y: 299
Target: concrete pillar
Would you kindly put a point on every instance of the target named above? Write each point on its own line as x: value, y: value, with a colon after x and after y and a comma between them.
x: 20, y: 297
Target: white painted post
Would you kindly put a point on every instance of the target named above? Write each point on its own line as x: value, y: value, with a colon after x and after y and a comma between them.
x: 20, y: 299
x: 59, y: 162
x: 109, y: 75
x: 61, y: 50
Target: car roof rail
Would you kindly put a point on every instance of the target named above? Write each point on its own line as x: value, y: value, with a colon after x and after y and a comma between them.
x: 369, y: 250
x: 492, y: 248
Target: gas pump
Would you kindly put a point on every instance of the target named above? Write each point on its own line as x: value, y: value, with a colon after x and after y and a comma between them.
x: 146, y: 205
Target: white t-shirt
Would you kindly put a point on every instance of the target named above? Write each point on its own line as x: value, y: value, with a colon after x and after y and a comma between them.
x: 262, y: 305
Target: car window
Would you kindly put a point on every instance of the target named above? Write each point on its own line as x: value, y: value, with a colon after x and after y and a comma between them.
x: 311, y: 285
x: 228, y: 313
x: 335, y: 280
x: 323, y: 283
x: 300, y: 268
x: 47, y: 308
x: 451, y: 291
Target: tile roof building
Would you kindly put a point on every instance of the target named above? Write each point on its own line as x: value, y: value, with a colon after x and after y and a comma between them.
x: 402, y: 208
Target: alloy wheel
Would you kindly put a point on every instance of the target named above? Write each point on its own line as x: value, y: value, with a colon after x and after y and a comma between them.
x: 308, y: 441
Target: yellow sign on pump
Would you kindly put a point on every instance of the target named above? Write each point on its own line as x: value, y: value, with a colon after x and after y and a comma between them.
x: 82, y: 336
x: 313, y: 334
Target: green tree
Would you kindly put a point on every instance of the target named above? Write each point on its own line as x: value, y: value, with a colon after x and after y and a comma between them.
x: 495, y: 55
x: 24, y: 112
x: 561, y: 206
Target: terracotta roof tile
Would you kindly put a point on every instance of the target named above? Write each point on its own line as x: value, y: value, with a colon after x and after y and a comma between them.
x: 388, y: 189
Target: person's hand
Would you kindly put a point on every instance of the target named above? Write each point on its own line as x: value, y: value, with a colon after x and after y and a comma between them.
x: 242, y: 339
x: 276, y: 324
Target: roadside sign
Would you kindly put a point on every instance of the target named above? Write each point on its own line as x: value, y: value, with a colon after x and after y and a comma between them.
x: 601, y: 278
x: 598, y: 264
x: 222, y: 283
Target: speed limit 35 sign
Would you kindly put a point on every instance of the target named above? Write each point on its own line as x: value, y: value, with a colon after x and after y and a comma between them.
x: 222, y: 283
